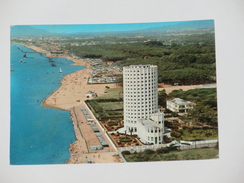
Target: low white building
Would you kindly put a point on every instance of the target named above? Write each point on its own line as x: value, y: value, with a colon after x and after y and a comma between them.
x: 179, y: 105
x: 151, y: 130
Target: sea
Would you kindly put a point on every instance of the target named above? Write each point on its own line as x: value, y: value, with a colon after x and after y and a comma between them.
x: 38, y: 135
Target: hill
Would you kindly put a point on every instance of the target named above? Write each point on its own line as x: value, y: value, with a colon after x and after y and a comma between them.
x: 165, y: 27
x: 29, y: 31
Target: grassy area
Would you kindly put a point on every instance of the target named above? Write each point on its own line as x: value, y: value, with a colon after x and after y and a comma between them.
x: 195, y: 134
x: 108, y: 105
x: 205, y: 134
x: 111, y: 105
x: 165, y: 155
x: 112, y: 93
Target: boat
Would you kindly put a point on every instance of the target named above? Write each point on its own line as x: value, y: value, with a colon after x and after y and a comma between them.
x: 54, y: 65
x: 60, y: 70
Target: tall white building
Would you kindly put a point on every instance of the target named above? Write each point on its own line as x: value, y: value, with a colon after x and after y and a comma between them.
x: 141, y: 114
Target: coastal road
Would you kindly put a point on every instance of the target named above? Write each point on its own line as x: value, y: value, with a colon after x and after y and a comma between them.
x: 170, y: 88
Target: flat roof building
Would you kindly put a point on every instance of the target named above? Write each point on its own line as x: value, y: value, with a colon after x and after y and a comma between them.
x: 179, y: 105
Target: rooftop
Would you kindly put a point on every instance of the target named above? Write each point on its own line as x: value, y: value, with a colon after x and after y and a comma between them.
x: 180, y: 101
x: 140, y: 66
x: 147, y: 123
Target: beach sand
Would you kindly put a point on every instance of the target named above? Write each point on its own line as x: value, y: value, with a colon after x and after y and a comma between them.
x: 70, y: 96
x: 73, y: 89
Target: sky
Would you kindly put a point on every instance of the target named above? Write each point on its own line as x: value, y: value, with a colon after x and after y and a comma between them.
x: 107, y: 27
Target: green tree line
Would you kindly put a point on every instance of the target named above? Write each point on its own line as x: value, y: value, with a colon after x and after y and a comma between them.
x: 185, y: 63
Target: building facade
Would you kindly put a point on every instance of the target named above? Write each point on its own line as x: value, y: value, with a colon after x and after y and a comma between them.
x: 141, y: 114
x: 179, y: 105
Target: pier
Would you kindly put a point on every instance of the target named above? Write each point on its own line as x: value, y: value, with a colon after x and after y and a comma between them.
x: 24, y: 51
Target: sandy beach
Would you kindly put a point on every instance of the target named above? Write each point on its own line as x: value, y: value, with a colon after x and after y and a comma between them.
x: 70, y: 96
x: 73, y: 87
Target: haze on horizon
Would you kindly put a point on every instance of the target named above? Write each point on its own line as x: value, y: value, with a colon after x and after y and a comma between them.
x: 76, y: 28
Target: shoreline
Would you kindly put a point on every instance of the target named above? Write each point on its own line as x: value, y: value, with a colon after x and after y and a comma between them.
x: 72, y: 146
x: 69, y: 95
x: 76, y: 61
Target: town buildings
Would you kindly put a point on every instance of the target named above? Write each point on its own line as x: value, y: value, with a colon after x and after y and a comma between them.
x: 141, y: 113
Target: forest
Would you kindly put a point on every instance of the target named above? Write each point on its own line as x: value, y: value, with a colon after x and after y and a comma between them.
x: 185, y: 59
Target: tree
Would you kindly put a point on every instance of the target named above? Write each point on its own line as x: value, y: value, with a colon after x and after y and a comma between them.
x: 131, y: 131
x: 119, y: 80
x: 203, y: 113
x: 162, y: 97
x: 154, y: 43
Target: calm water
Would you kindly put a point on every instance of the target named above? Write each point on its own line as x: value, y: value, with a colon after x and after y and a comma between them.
x: 38, y: 135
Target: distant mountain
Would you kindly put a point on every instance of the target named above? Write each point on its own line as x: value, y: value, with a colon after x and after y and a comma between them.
x: 91, y: 34
x: 188, y: 26
x: 29, y: 31
x: 185, y: 26
x: 167, y: 27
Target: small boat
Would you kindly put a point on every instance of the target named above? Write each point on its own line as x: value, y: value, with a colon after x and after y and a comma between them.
x: 54, y: 65
x: 60, y: 70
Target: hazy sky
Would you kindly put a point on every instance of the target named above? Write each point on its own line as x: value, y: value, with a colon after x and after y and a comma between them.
x: 108, y: 27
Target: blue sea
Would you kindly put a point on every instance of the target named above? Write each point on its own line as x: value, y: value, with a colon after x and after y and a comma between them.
x: 38, y: 135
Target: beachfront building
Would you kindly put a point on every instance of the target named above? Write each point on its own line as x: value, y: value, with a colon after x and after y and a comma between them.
x: 141, y: 113
x: 179, y: 105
